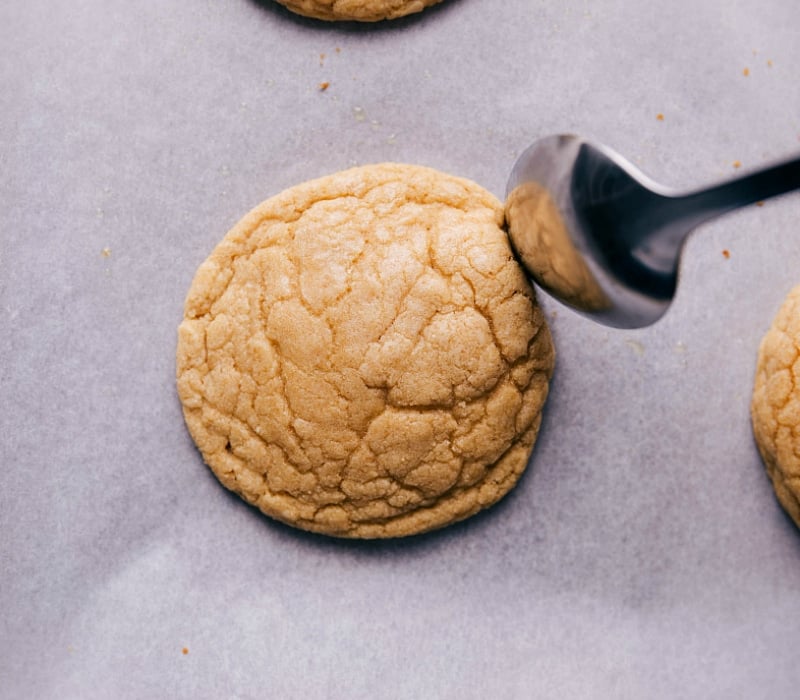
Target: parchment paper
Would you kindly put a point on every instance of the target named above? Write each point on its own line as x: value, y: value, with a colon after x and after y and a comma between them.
x: 643, y: 555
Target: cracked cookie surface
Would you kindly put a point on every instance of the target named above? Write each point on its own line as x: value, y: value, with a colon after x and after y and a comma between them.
x: 356, y: 10
x: 775, y: 407
x: 362, y: 356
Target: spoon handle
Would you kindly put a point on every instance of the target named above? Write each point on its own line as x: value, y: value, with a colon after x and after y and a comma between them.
x: 762, y: 184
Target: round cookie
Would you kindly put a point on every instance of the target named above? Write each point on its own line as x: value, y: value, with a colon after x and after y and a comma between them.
x: 362, y: 356
x: 775, y: 407
x: 356, y: 10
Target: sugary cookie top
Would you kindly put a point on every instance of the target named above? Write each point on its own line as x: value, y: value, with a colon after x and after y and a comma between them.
x: 356, y: 10
x: 362, y: 355
x: 775, y: 407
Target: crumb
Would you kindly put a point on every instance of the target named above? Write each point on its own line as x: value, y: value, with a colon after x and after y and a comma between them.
x: 324, y: 86
x: 769, y: 63
x: 185, y: 651
x: 759, y: 204
x: 746, y: 72
x: 660, y: 117
x: 338, y: 50
x: 636, y: 346
x: 106, y: 252
x: 726, y: 254
x: 321, y: 58
x: 737, y: 164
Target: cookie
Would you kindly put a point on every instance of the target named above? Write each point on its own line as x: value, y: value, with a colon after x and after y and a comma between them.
x: 775, y: 407
x: 362, y: 356
x: 356, y: 10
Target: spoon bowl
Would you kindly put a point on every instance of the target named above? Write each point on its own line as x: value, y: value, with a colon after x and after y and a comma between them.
x: 600, y: 236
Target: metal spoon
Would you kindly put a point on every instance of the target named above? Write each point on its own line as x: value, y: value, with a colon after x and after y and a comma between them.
x: 605, y: 239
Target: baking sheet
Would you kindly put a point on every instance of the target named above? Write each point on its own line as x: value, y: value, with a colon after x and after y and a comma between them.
x: 642, y: 555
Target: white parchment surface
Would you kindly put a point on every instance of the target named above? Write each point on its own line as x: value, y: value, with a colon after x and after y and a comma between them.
x: 643, y: 555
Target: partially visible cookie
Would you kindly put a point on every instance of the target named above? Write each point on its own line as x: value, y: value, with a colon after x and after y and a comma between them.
x: 775, y: 407
x: 356, y: 10
x: 362, y: 356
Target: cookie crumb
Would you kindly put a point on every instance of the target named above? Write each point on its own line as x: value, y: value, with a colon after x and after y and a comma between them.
x: 737, y: 164
x: 759, y: 204
x: 660, y: 117
x: 769, y: 63
x: 726, y: 254
x: 636, y: 346
x: 321, y: 59
x: 746, y: 72
x: 324, y: 85
x: 184, y: 651
x: 106, y: 252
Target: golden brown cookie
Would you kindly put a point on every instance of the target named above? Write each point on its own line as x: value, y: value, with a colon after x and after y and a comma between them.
x: 356, y: 10
x: 362, y: 356
x: 775, y: 407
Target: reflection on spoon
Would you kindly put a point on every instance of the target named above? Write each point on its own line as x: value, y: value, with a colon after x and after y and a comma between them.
x: 606, y: 239
x: 541, y: 240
